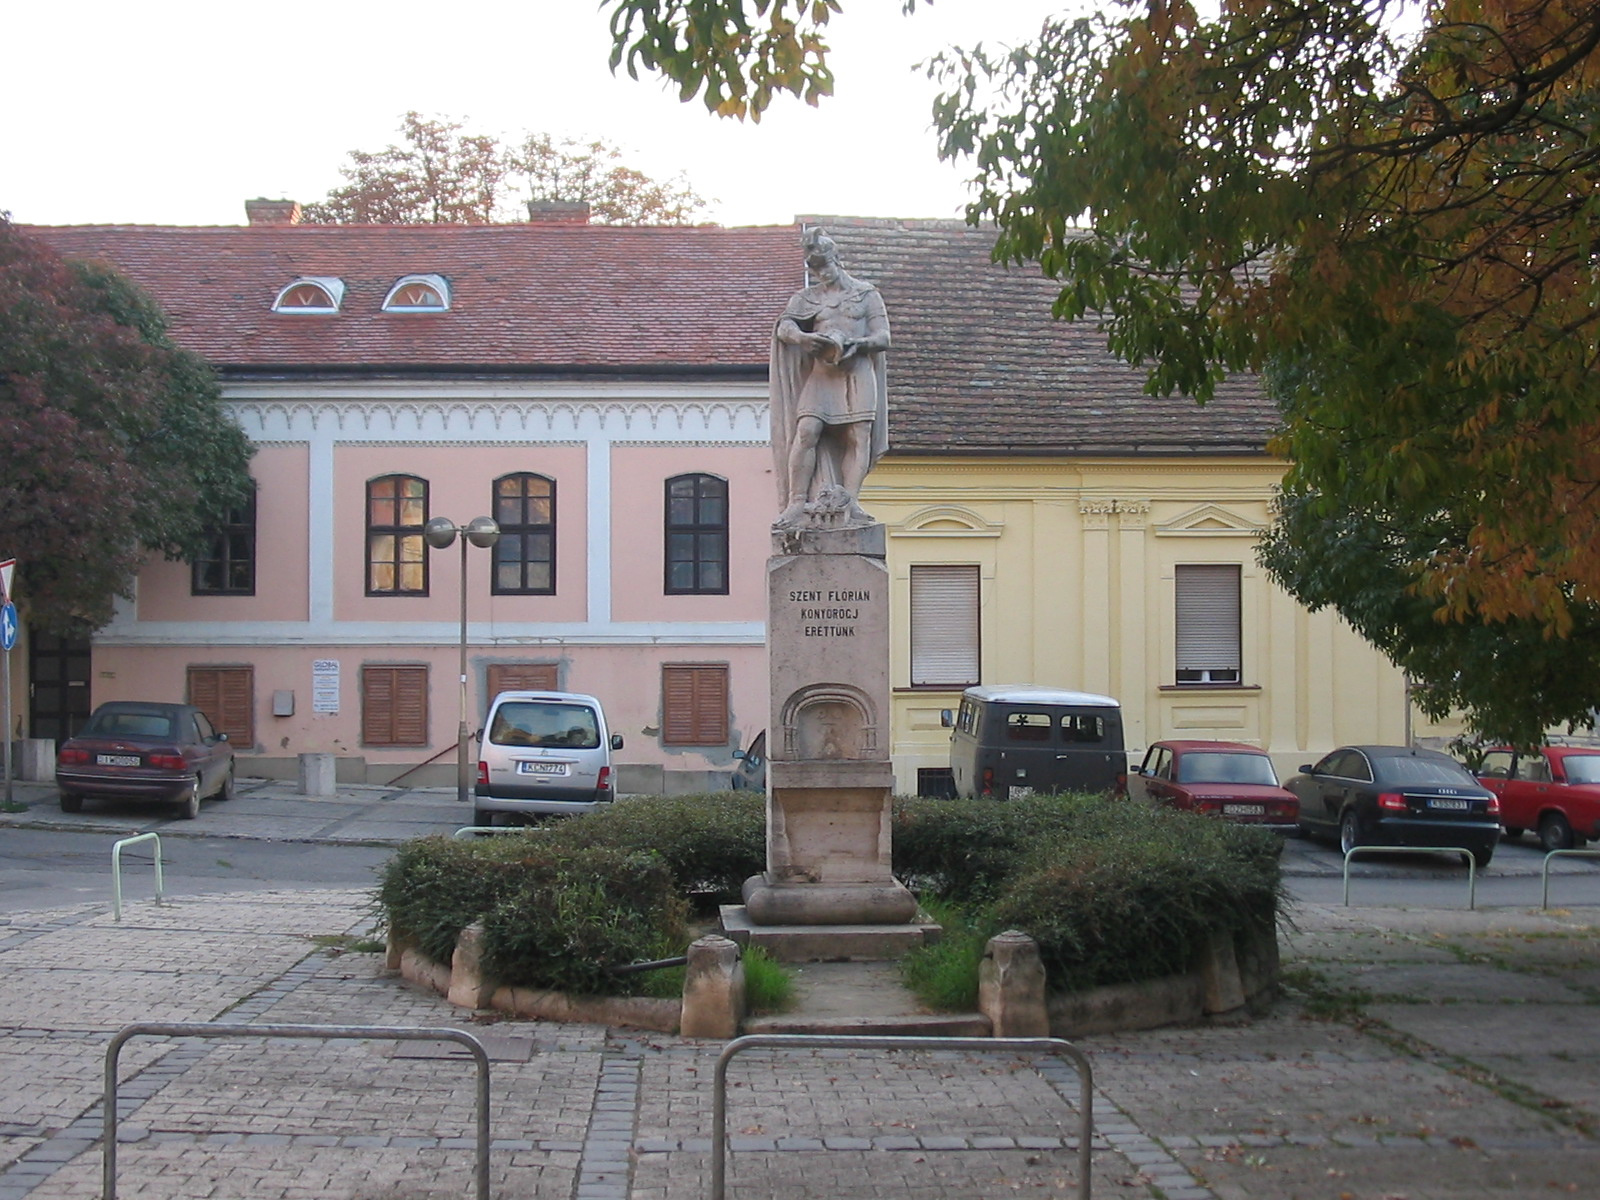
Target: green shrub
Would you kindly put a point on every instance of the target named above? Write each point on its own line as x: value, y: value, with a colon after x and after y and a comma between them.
x: 711, y: 843
x: 966, y: 850
x: 553, y: 916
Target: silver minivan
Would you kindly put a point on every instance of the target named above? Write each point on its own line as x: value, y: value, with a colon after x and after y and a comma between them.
x: 544, y: 752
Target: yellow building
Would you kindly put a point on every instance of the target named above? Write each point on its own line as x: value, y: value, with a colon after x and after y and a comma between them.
x: 1051, y: 524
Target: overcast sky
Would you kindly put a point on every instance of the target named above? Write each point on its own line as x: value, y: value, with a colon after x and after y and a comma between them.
x: 174, y: 112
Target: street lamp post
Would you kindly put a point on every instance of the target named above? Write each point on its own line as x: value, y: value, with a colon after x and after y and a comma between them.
x: 439, y: 533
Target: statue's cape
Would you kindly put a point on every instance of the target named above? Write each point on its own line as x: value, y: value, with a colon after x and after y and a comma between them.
x: 787, y: 373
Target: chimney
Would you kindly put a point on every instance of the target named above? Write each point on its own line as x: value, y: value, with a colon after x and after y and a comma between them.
x: 558, y: 212
x: 273, y: 212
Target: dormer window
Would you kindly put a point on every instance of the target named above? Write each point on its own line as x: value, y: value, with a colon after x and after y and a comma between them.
x: 418, y: 293
x: 311, y: 294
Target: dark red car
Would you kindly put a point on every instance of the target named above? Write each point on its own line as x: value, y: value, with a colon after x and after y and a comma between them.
x: 146, y: 751
x: 1225, y: 779
x: 1554, y: 791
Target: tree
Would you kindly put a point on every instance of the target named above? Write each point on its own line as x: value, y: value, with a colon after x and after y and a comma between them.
x: 117, y: 445
x: 440, y: 175
x: 1387, y: 208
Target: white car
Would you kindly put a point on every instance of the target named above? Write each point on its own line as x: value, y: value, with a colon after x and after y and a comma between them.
x: 543, y: 753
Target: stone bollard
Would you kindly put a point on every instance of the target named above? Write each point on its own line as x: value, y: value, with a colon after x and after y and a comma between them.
x: 467, y: 988
x: 1221, y: 990
x: 35, y: 759
x: 1011, y: 986
x: 713, y: 989
x: 318, y: 775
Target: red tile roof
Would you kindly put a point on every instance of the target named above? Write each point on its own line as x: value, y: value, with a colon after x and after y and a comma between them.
x: 523, y: 296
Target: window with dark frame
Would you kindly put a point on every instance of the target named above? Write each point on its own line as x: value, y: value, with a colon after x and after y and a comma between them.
x: 394, y: 706
x: 228, y: 567
x: 397, y: 557
x: 697, y: 535
x: 945, y: 649
x: 1208, y: 623
x: 694, y: 704
x: 525, y: 555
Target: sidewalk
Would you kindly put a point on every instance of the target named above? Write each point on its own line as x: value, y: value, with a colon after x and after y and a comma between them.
x: 1462, y: 1059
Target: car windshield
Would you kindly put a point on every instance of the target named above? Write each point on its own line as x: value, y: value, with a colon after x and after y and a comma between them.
x: 545, y: 723
x: 1217, y: 767
x: 1582, y: 768
x: 125, y: 724
x: 1404, y: 771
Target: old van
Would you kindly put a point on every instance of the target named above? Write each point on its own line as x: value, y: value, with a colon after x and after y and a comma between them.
x: 1008, y: 742
x: 544, y: 752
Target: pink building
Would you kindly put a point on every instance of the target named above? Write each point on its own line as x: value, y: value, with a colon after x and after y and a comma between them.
x: 600, y: 391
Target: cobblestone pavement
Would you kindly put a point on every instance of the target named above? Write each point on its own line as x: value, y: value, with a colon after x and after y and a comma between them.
x: 1418, y: 1054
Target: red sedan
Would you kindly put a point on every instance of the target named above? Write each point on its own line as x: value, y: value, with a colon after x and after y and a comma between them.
x: 1554, y: 791
x: 1225, y: 779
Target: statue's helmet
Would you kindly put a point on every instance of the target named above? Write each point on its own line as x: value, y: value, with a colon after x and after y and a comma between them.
x: 819, y: 247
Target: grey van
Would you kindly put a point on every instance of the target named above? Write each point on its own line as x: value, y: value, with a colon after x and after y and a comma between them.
x: 544, y: 752
x: 1008, y: 742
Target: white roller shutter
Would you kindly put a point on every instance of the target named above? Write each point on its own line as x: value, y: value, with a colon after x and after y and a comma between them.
x: 1208, y: 623
x: 944, y: 626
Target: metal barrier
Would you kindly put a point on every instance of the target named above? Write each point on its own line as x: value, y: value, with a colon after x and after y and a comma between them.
x: 1544, y: 894
x: 116, y: 869
x: 1472, y: 865
x: 798, y: 1041
x: 476, y: 829
x: 208, y: 1029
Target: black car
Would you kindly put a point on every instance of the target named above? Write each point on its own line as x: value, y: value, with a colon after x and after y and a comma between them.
x: 151, y: 751
x: 1397, y: 796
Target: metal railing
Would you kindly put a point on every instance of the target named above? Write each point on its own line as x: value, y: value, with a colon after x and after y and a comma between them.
x: 477, y: 829
x: 804, y: 1041
x: 209, y: 1029
x: 1472, y: 865
x: 116, y: 870
x: 1544, y: 892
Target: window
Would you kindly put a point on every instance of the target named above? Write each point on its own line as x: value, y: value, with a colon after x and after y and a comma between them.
x: 697, y: 535
x: 694, y: 704
x: 227, y: 696
x: 944, y: 626
x: 228, y: 567
x: 311, y: 294
x: 525, y: 555
x: 397, y: 562
x: 418, y: 293
x: 394, y: 706
x: 522, y: 677
x: 1208, y: 623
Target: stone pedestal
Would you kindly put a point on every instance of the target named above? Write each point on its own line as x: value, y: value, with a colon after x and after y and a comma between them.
x: 829, y: 780
x: 318, y: 775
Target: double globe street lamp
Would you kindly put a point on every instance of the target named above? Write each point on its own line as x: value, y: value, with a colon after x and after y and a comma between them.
x: 439, y: 532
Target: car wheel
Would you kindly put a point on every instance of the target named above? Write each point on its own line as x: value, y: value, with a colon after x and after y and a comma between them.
x: 71, y: 802
x: 1555, y: 833
x: 1513, y: 831
x: 1482, y: 856
x: 189, y: 806
x: 1349, y: 832
x: 229, y: 789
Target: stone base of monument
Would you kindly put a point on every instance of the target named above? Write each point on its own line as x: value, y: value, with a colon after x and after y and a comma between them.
x: 828, y: 943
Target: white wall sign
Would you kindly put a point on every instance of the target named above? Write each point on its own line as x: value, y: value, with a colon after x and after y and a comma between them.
x: 325, y: 685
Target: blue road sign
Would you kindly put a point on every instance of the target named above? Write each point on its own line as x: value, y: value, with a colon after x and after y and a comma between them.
x: 8, y: 626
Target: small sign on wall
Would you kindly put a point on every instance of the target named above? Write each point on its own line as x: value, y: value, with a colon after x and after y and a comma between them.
x: 325, y: 685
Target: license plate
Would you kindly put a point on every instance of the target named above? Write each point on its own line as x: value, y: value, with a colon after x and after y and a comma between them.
x: 1244, y: 810
x: 542, y: 768
x: 1453, y: 805
x: 117, y: 760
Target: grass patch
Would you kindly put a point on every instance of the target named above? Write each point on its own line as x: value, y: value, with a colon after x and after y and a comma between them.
x: 944, y: 976
x: 768, y: 986
x: 13, y: 806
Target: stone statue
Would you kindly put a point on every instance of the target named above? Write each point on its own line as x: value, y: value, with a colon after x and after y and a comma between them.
x: 830, y: 401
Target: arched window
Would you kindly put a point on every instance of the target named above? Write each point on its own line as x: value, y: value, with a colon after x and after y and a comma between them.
x: 697, y: 535
x: 397, y: 557
x: 311, y: 294
x: 525, y: 555
x: 418, y: 293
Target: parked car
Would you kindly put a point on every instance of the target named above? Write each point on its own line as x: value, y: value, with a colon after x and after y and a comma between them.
x: 146, y: 750
x: 751, y: 773
x: 1554, y: 791
x: 1224, y: 779
x: 1397, y: 796
x: 1012, y: 741
x: 544, y: 753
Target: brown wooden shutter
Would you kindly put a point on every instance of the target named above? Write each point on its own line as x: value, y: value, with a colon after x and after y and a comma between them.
x: 694, y: 704
x: 394, y: 706
x: 522, y: 677
x: 227, y: 696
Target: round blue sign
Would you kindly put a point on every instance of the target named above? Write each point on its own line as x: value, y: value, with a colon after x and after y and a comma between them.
x: 8, y: 626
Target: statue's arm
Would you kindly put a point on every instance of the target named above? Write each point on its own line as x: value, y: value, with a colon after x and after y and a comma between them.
x: 877, y: 337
